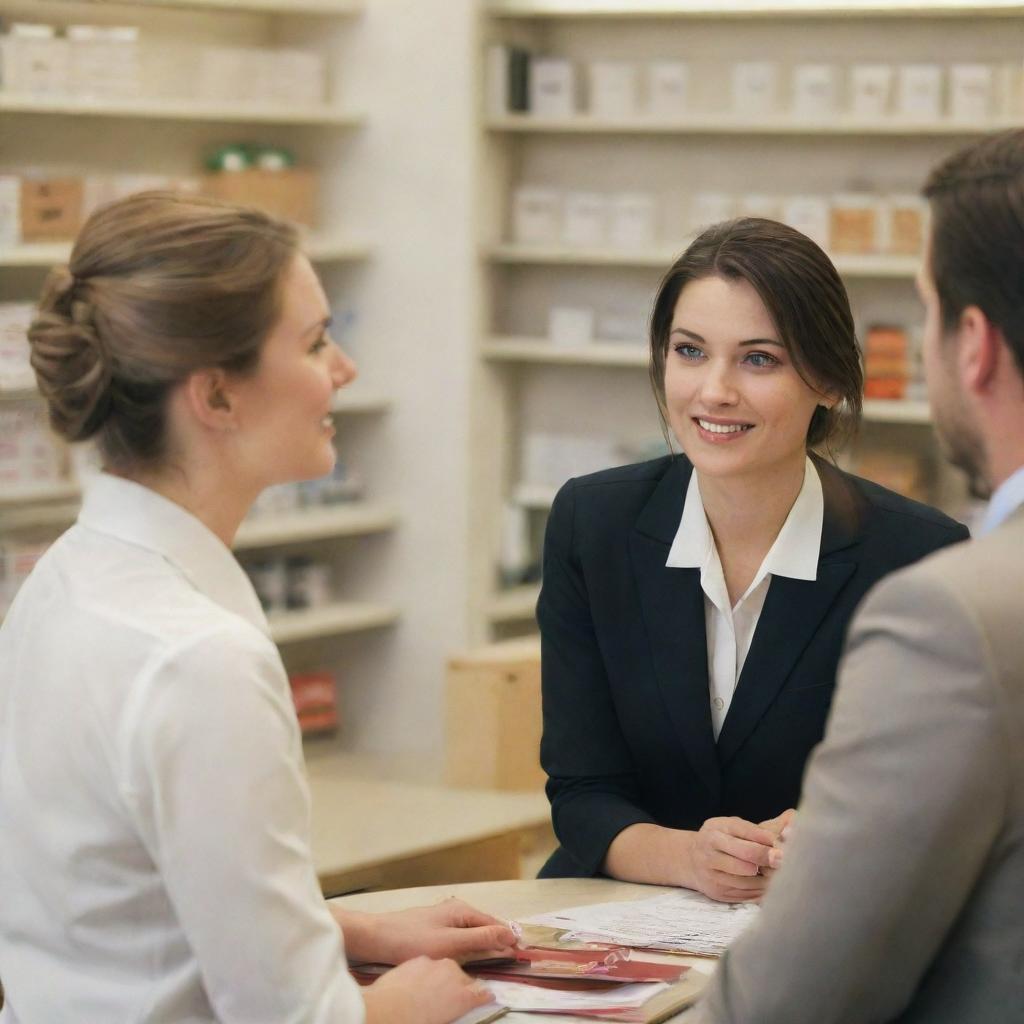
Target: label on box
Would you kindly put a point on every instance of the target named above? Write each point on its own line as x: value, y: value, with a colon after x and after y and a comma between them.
x: 970, y: 92
x: 870, y: 88
x: 51, y: 209
x: 920, y: 92
x: 631, y: 220
x: 586, y: 217
x: 536, y: 215
x: 552, y: 88
x: 814, y: 90
x: 668, y: 84
x: 755, y: 87
x: 613, y: 89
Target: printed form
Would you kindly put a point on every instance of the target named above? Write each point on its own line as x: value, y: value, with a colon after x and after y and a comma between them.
x: 680, y: 922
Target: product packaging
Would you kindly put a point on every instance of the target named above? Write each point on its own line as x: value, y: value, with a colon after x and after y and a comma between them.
x: 552, y: 87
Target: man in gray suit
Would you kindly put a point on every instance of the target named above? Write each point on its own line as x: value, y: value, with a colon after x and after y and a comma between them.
x: 902, y: 894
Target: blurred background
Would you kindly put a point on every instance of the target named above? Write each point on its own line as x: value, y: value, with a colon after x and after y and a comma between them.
x: 491, y: 192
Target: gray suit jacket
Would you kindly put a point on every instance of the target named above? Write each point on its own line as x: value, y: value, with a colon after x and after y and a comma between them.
x: 902, y: 893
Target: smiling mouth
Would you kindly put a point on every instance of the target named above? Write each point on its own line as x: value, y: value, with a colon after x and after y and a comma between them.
x: 722, y: 428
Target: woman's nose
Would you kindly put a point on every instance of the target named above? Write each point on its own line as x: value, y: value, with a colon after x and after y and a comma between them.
x: 717, y: 385
x: 344, y: 370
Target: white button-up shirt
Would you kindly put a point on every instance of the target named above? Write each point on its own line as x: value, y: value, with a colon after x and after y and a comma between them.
x: 730, y: 628
x: 154, y: 812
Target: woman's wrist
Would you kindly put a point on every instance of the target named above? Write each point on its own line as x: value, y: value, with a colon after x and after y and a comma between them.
x: 361, y: 934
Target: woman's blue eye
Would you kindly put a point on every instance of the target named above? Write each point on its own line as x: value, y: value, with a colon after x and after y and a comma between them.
x: 761, y: 359
x: 688, y: 351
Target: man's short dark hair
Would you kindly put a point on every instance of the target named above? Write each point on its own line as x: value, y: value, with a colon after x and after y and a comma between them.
x: 977, y: 236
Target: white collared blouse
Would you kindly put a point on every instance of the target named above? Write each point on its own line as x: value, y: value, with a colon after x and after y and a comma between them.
x: 154, y: 811
x: 730, y: 628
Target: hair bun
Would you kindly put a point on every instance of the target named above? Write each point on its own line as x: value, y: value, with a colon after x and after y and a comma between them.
x: 71, y: 365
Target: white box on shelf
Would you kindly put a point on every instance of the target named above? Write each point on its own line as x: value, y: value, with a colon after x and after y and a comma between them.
x: 225, y: 73
x: 570, y: 326
x: 297, y: 77
x: 37, y: 62
x: 919, y: 93
x: 536, y: 215
x: 815, y: 92
x: 104, y: 60
x: 586, y: 219
x: 15, y: 368
x: 709, y: 208
x: 631, y: 220
x: 10, y: 209
x: 809, y: 214
x: 756, y: 204
x: 970, y: 92
x: 30, y: 458
x: 1008, y: 86
x: 755, y: 87
x: 614, y: 89
x: 870, y: 90
x: 552, y: 87
x: 548, y: 460
x: 619, y: 325
x: 668, y: 86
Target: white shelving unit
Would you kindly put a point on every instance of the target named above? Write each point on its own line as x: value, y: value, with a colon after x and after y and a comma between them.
x: 329, y: 621
x: 60, y: 134
x: 725, y: 124
x: 319, y: 248
x: 525, y: 384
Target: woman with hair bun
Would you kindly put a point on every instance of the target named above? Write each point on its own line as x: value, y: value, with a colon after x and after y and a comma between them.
x: 693, y: 608
x: 154, y: 813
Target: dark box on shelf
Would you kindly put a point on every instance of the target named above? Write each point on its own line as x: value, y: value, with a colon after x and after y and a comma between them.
x: 51, y: 209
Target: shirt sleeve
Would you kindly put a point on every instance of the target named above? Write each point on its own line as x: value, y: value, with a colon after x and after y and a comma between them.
x: 903, y: 805
x: 213, y: 772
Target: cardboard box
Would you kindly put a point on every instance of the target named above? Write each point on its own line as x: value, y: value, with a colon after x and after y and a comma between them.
x: 51, y: 209
x: 289, y: 194
x: 493, y: 717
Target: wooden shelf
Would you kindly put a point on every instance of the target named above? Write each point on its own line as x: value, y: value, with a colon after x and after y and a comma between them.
x: 287, y: 7
x: 180, y: 110
x: 749, y: 9
x: 902, y: 267
x: 320, y: 249
x: 59, y: 515
x: 26, y: 394
x: 730, y: 124
x: 540, y: 350
x: 882, y: 410
x: 314, y: 524
x: 49, y: 493
x: 514, y: 604
x: 329, y: 620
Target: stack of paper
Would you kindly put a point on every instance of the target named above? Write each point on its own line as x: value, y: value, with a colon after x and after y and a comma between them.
x: 612, y: 1002
x: 682, y: 922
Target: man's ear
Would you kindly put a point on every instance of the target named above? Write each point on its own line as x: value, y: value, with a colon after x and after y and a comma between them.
x: 210, y: 400
x: 979, y: 347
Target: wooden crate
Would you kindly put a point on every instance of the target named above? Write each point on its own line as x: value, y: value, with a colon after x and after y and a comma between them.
x: 493, y: 717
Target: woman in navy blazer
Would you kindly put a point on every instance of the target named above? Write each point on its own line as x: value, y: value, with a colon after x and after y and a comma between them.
x: 754, y: 362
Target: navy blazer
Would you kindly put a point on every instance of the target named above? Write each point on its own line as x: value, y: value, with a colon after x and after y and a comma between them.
x: 627, y: 717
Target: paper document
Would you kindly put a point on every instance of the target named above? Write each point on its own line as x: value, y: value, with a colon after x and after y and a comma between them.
x: 682, y: 922
x: 560, y: 1000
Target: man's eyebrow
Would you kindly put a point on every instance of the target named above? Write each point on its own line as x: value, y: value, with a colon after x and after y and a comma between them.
x: 694, y: 336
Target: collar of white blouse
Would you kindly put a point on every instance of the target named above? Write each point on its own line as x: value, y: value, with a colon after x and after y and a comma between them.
x: 137, y: 515
x: 794, y: 553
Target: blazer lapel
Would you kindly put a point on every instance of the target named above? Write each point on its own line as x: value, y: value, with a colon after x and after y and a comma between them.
x: 793, y: 611
x: 672, y: 605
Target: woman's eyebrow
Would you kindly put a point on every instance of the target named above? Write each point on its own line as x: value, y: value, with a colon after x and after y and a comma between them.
x: 693, y: 335
x: 320, y: 325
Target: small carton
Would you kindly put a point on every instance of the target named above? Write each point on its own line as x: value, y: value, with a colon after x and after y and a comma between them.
x: 50, y: 209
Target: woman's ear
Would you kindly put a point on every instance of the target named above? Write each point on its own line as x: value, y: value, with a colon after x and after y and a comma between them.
x: 210, y: 400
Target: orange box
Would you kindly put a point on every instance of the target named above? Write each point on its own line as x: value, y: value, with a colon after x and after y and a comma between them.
x: 50, y: 209
x: 313, y: 694
x: 885, y: 387
x: 289, y: 194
